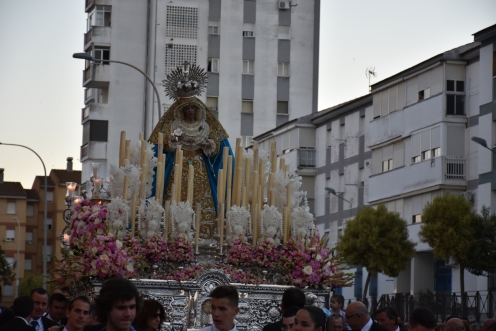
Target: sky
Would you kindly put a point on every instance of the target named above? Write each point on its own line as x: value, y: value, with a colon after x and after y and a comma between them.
x: 41, y: 96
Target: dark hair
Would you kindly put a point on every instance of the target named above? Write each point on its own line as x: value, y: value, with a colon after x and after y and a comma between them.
x: 80, y: 298
x: 59, y: 297
x: 317, y: 316
x: 293, y: 297
x: 226, y: 291
x: 335, y: 317
x: 114, y: 290
x: 38, y: 290
x: 423, y: 317
x: 390, y: 313
x: 291, y: 311
x: 23, y: 306
x: 339, y: 298
x: 148, y: 310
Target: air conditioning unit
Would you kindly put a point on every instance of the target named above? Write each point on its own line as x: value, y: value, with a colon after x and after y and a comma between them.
x: 283, y: 5
x: 451, y: 262
x: 469, y: 196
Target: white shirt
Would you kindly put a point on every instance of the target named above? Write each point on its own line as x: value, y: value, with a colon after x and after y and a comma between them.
x: 213, y: 328
x: 40, y: 326
x: 397, y: 329
x: 367, y: 326
x: 50, y: 318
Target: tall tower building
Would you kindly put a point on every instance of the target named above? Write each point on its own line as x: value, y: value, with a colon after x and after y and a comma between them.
x: 261, y: 57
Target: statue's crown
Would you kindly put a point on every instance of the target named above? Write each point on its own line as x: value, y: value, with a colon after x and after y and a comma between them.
x: 185, y: 81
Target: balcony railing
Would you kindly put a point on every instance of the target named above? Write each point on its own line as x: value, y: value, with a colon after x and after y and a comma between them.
x: 87, y: 74
x: 87, y: 37
x: 479, y: 306
x: 454, y: 167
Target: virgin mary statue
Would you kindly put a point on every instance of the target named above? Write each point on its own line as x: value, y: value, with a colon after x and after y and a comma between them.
x: 190, y: 124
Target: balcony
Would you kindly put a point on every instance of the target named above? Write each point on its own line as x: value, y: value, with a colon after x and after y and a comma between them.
x: 95, y: 150
x: 97, y: 35
x: 442, y: 170
x: 89, y: 4
x: 94, y: 111
x: 96, y: 76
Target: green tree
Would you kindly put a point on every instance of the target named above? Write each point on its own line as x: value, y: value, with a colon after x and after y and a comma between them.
x: 6, y: 270
x: 30, y: 283
x: 481, y: 258
x: 448, y: 227
x: 378, y: 240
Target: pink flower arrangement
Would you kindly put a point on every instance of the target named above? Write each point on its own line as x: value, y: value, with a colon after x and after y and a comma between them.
x: 240, y: 254
x: 155, y: 250
x: 87, y: 220
x: 181, y: 251
x: 266, y: 254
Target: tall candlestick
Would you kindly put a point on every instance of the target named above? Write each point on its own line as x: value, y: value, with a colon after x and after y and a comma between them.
x: 255, y: 224
x: 176, y: 182
x: 238, y: 190
x: 221, y: 227
x: 197, y: 228
x: 191, y: 176
x: 157, y: 181
x: 269, y: 188
x: 228, y: 202
x: 126, y: 184
x: 141, y: 136
x: 254, y: 196
x: 160, y: 143
x: 142, y: 152
x: 133, y: 214
x: 261, y: 175
x: 219, y: 185
x: 144, y: 171
x: 282, y: 164
x: 122, y: 148
x: 247, y: 178
x: 244, y: 197
x: 167, y: 220
x: 273, y: 165
x: 180, y: 176
x: 229, y: 181
x: 288, y: 195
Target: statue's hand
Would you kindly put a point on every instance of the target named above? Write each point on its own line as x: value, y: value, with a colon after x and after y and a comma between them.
x: 205, y: 144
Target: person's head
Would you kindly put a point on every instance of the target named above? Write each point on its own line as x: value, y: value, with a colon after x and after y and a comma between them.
x: 288, y: 318
x: 454, y: 324
x: 422, y: 319
x: 189, y: 112
x: 23, y: 306
x: 40, y: 298
x: 387, y: 317
x: 357, y: 315
x: 336, y: 303
x: 335, y: 322
x: 78, y: 313
x: 117, y: 303
x: 151, y: 315
x: 57, y: 304
x: 224, y: 306
x: 466, y: 324
x: 489, y: 325
x: 293, y: 297
x: 309, y: 318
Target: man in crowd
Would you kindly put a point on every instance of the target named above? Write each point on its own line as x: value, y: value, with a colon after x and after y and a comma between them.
x: 422, y: 319
x: 116, y: 305
x: 5, y: 313
x: 454, y: 324
x: 335, y: 323
x: 57, y: 305
x: 358, y: 318
x: 288, y: 318
x: 22, y: 309
x: 78, y: 314
x: 38, y: 321
x: 291, y: 297
x: 489, y: 325
x: 388, y: 318
x: 224, y: 308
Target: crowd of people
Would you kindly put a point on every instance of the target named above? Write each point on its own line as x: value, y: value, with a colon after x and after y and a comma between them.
x: 119, y: 307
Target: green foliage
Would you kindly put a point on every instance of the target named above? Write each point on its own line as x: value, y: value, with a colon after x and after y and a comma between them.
x: 378, y: 240
x: 6, y: 271
x: 30, y: 283
x: 448, y: 227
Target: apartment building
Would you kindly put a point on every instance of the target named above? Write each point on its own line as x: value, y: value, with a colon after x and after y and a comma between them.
x: 261, y: 59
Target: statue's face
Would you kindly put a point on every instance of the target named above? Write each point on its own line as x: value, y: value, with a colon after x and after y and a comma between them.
x: 189, y: 113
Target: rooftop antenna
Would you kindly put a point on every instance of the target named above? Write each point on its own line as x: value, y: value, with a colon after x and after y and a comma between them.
x: 370, y: 71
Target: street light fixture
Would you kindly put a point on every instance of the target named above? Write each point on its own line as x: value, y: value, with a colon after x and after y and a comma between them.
x: 481, y: 142
x: 88, y: 57
x: 338, y: 194
x: 45, y: 229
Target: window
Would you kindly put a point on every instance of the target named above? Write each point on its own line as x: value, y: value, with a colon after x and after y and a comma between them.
x: 100, y: 16
x: 49, y: 253
x: 213, y: 30
x: 416, y: 159
x: 29, y: 237
x: 30, y: 210
x: 248, y: 34
x: 387, y: 165
x: 49, y: 223
x: 455, y: 97
x: 213, y: 65
x: 247, y: 106
x: 101, y: 54
x: 11, y: 207
x: 283, y: 69
x: 213, y: 103
x: 10, y: 236
x: 8, y: 290
x: 28, y: 264
x: 95, y: 130
x: 282, y: 107
x: 424, y: 94
x: 49, y: 197
x: 11, y: 261
x: 435, y: 152
x: 248, y: 67
x: 417, y: 218
x: 426, y: 155
x: 306, y: 157
x: 181, y: 22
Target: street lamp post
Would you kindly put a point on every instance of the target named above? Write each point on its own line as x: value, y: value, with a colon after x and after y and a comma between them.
x: 45, y: 229
x: 481, y: 142
x: 88, y: 57
x: 337, y: 194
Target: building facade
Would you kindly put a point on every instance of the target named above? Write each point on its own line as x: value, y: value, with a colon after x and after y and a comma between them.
x: 261, y: 59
